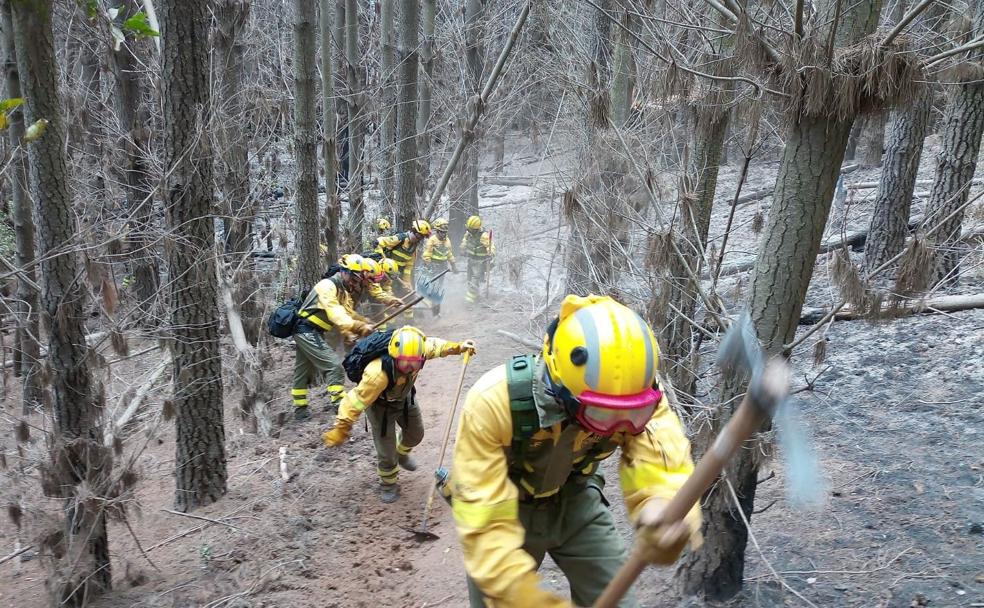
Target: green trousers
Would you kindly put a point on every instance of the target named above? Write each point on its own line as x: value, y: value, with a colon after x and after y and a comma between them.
x: 578, y: 531
x: 390, y: 443
x: 477, y: 269
x: 316, y: 354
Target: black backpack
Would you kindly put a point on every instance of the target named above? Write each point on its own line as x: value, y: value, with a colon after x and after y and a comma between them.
x: 283, y: 320
x: 365, y: 351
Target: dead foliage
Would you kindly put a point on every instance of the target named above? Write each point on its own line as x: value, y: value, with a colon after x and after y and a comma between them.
x: 915, y: 268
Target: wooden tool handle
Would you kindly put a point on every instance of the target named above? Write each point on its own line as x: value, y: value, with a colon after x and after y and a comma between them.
x: 398, y: 311
x: 742, y: 425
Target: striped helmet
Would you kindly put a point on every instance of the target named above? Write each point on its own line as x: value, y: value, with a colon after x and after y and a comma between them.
x: 600, y: 346
x: 407, y: 344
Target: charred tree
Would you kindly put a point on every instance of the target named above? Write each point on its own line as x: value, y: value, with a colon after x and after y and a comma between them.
x: 79, y: 464
x: 428, y: 18
x: 356, y: 122
x: 890, y: 216
x: 388, y: 108
x: 406, y: 120
x: 329, y: 126
x: 27, y: 350
x: 306, y: 144
x: 200, y: 458
x: 956, y: 162
x: 815, y: 142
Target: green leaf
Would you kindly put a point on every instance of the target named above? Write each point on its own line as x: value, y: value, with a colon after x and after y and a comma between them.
x: 92, y: 8
x: 9, y: 104
x: 139, y: 25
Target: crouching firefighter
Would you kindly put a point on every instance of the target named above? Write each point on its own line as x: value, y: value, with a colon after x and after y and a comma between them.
x: 385, y: 366
x: 326, y: 320
x: 532, y: 434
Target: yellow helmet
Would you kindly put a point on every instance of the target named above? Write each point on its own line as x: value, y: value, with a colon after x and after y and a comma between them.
x: 474, y: 223
x: 389, y: 266
x: 421, y: 226
x: 353, y: 262
x: 372, y: 267
x: 406, y: 347
x: 383, y: 224
x: 440, y: 224
x: 599, y: 346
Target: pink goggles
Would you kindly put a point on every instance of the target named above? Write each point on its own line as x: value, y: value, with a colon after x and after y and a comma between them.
x: 606, y: 414
x: 408, y: 365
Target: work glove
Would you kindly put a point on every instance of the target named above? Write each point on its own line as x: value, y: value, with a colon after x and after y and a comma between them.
x: 362, y: 328
x: 526, y: 593
x: 338, y: 434
x: 662, y: 543
x: 468, y: 346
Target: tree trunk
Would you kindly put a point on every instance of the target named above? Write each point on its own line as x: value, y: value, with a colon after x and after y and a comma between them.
x: 474, y: 13
x: 956, y: 164
x: 341, y: 106
x: 80, y: 466
x: 890, y: 216
x: 306, y: 144
x: 387, y: 106
x: 234, y: 141
x: 330, y: 131
x: 623, y: 73
x: 808, y: 172
x: 200, y: 459
x: 424, y: 94
x: 131, y: 84
x: 26, y: 345
x: 356, y: 127
x: 872, y: 141
x: 406, y: 120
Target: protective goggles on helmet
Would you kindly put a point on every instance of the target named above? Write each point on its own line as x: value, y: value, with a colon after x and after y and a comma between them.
x: 606, y: 414
x: 408, y: 365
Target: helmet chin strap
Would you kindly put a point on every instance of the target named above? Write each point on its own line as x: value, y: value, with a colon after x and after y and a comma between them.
x: 562, y: 396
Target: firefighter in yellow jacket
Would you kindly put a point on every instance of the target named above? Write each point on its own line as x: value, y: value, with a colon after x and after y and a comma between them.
x: 386, y: 391
x: 402, y: 248
x: 478, y: 248
x: 438, y: 257
x: 532, y: 434
x: 328, y: 318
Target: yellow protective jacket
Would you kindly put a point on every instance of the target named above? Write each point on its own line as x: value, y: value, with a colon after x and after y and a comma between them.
x: 399, y: 247
x: 375, y: 382
x: 438, y: 250
x: 485, y: 499
x: 330, y: 305
x: 478, y: 246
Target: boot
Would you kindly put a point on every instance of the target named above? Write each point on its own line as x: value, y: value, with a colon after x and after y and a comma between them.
x: 301, y: 414
x: 389, y: 492
x: 406, y: 462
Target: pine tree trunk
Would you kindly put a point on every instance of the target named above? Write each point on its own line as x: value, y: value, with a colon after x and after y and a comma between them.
x: 356, y: 126
x: 956, y: 164
x: 79, y: 464
x: 26, y: 347
x: 329, y: 128
x: 623, y: 73
x: 341, y: 107
x: 872, y: 141
x: 890, y: 216
x: 130, y: 82
x: 234, y: 141
x: 200, y: 458
x: 424, y: 94
x: 808, y: 172
x: 474, y: 12
x: 406, y: 120
x: 306, y: 144
x: 388, y: 108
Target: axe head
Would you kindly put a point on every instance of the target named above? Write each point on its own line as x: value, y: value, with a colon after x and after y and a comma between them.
x: 741, y: 354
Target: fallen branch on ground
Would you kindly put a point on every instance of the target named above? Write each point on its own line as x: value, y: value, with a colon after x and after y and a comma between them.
x: 811, y: 316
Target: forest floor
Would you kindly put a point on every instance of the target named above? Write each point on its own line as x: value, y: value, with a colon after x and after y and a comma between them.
x: 897, y: 417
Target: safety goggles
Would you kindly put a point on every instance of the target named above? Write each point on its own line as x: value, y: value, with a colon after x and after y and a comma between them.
x: 606, y: 414
x: 375, y: 278
x: 408, y: 365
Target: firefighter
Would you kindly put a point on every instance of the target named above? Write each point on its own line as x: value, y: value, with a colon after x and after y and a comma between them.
x: 387, y: 395
x: 402, y: 248
x: 438, y: 257
x: 382, y: 229
x: 327, y: 320
x: 532, y: 434
x: 478, y: 248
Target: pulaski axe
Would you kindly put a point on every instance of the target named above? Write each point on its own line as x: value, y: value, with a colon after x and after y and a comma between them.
x: 740, y: 354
